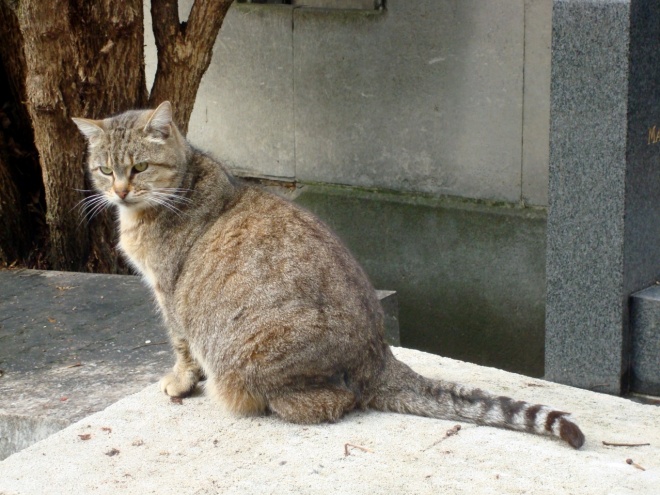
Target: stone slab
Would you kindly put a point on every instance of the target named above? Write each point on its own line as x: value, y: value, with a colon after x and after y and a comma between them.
x: 433, y: 97
x: 390, y: 303
x: 536, y: 102
x: 604, y: 215
x: 72, y: 344
x: 339, y: 4
x: 148, y: 444
x: 645, y: 323
x: 275, y: 99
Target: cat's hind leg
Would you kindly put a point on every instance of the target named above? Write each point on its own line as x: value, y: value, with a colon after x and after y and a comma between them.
x: 312, y: 406
x: 185, y: 375
x: 232, y: 391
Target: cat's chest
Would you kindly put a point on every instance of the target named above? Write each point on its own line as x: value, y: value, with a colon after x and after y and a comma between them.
x: 140, y: 244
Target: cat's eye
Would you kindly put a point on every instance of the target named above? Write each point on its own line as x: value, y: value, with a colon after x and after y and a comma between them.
x: 140, y: 167
x: 105, y: 170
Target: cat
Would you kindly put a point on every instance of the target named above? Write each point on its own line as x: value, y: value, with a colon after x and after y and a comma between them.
x: 259, y: 297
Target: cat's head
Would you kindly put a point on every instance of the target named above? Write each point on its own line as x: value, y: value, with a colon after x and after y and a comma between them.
x: 136, y: 159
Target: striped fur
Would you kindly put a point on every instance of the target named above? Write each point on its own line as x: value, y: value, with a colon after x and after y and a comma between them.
x: 259, y: 297
x: 405, y: 391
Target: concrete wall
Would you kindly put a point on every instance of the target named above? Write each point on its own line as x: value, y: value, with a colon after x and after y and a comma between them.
x: 447, y: 97
x: 470, y: 278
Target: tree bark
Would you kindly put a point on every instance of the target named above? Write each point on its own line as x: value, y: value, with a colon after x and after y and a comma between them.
x: 110, y: 45
x: 81, y: 58
x: 184, y: 52
x: 50, y: 59
x: 15, y: 227
x: 11, y: 214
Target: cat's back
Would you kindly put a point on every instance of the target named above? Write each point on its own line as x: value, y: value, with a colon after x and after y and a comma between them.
x: 268, y: 259
x: 269, y: 238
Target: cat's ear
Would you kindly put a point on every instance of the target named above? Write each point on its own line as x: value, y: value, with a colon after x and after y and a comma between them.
x: 91, y: 129
x: 160, y: 122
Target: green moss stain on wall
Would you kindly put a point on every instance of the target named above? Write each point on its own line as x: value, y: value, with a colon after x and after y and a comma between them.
x: 470, y: 276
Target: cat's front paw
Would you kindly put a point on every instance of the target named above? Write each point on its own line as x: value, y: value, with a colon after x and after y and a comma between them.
x: 178, y: 385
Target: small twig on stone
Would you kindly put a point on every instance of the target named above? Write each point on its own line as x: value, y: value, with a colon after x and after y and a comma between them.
x: 632, y: 463
x: 450, y: 432
x: 453, y: 431
x: 347, y: 452
x: 149, y: 344
x: 614, y: 444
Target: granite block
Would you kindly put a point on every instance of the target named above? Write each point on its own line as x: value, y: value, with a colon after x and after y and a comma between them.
x: 645, y: 323
x: 390, y: 304
x: 604, y: 210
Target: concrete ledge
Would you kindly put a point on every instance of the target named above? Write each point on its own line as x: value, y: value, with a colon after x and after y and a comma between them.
x: 147, y: 444
x: 390, y: 303
x: 645, y: 328
x: 20, y: 431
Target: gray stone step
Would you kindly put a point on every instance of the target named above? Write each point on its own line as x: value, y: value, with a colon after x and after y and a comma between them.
x: 72, y: 344
x: 645, y: 331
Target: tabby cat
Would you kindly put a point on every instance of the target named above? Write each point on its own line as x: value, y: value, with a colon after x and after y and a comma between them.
x: 259, y: 297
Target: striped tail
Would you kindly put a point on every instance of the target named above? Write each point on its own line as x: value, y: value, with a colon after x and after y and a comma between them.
x: 404, y: 391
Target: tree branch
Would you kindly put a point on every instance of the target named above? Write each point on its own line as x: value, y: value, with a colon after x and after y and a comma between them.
x: 165, y: 22
x: 184, y: 55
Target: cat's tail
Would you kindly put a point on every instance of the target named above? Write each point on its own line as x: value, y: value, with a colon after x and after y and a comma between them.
x: 404, y: 391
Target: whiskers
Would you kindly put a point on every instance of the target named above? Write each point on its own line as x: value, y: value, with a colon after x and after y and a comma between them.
x: 90, y: 206
x: 170, y: 198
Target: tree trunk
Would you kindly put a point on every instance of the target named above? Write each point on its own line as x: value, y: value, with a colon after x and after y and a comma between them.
x: 12, y: 242
x: 15, y: 227
x: 81, y: 58
x: 184, y: 52
x: 110, y: 46
x: 50, y: 64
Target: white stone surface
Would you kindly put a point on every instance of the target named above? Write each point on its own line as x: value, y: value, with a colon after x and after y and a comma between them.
x: 196, y: 448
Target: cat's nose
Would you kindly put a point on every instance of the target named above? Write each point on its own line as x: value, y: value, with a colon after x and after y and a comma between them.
x: 122, y: 193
